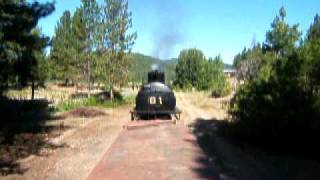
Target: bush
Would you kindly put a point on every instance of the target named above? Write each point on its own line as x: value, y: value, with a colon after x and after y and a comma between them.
x: 279, y: 106
x: 194, y: 71
x: 221, y: 89
x: 277, y: 110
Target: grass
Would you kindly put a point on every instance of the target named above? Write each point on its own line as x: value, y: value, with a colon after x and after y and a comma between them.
x: 61, y: 98
x: 93, y: 101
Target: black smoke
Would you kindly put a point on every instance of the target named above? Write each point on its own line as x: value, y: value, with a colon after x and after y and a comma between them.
x: 169, y: 32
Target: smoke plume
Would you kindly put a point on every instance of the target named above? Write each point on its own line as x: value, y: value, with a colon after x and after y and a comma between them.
x: 155, y: 67
x: 169, y: 31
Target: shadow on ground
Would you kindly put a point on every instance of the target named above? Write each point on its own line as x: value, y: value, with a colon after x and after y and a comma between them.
x: 232, y: 159
x: 212, y: 165
x: 24, y: 132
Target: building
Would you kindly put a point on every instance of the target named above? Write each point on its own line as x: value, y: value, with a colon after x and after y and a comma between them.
x: 230, y: 72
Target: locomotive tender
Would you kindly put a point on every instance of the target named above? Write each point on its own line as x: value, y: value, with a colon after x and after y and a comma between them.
x: 155, y: 99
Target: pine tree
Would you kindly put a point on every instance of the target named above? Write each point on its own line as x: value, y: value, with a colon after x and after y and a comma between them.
x: 190, y: 69
x: 282, y: 37
x: 39, y: 71
x: 116, y: 21
x: 17, y: 42
x: 62, y: 55
x: 314, y: 30
x: 79, y: 44
x: 91, y: 19
x: 311, y: 52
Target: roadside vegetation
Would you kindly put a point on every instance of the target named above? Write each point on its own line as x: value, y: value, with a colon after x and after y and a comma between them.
x: 277, y: 107
x: 194, y: 71
x: 97, y: 100
x: 90, y: 48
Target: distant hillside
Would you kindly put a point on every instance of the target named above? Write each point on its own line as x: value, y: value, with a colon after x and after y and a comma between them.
x: 228, y: 66
x: 141, y: 64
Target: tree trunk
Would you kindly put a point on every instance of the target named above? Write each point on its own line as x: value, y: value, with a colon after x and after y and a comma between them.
x: 111, y: 93
x: 111, y: 84
x: 67, y: 82
x: 113, y: 66
x: 88, y: 74
x: 32, y: 90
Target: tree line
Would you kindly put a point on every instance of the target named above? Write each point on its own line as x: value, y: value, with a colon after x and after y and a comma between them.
x: 195, y: 71
x: 93, y: 44
x: 279, y: 100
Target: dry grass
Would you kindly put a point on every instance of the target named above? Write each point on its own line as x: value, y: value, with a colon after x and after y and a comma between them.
x: 204, y: 101
x: 52, y: 93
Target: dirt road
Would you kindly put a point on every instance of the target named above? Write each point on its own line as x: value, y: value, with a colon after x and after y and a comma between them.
x: 84, y: 145
x: 198, y: 105
x: 88, y: 139
x: 230, y: 161
x: 82, y: 148
x: 166, y: 151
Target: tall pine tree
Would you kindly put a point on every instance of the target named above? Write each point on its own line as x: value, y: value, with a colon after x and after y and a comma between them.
x: 62, y: 55
x: 17, y: 42
x: 282, y: 37
x: 116, y: 22
x: 90, y: 18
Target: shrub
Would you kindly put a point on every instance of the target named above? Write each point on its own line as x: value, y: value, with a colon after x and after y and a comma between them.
x: 194, y: 71
x: 279, y: 106
x: 221, y: 89
x: 277, y: 110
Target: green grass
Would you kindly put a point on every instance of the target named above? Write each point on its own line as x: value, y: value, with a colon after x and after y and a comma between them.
x: 93, y: 101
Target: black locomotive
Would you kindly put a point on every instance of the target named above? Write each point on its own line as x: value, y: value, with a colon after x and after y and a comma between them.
x: 155, y: 99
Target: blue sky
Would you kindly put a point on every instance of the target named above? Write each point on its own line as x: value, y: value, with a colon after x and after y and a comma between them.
x: 216, y: 27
